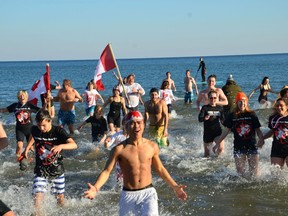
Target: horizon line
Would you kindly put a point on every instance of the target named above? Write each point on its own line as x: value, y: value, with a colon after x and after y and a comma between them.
x: 90, y: 59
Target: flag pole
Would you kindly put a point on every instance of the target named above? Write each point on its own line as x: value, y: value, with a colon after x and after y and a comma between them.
x: 48, y: 91
x: 119, y: 74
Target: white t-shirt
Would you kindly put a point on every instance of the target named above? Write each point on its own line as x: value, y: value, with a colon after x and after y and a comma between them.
x: 91, y: 97
x: 167, y: 95
x: 133, y: 96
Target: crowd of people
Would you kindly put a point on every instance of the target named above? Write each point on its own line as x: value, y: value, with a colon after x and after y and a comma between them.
x: 222, y: 110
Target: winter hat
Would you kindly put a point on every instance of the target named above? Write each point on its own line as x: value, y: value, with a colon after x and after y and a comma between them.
x: 241, y: 96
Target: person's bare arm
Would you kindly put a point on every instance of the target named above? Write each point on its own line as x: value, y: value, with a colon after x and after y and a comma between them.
x: 3, y: 110
x: 29, y: 146
x: 69, y: 145
x: 123, y: 105
x: 108, y: 101
x: 268, y: 134
x: 78, y: 96
x: 103, y: 176
x: 194, y: 83
x: 222, y: 98
x: 146, y: 114
x: 3, y: 138
x: 164, y: 174
x: 199, y: 99
x: 165, y: 117
x: 250, y: 95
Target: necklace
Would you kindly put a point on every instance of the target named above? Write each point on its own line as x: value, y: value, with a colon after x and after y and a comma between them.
x: 277, y: 121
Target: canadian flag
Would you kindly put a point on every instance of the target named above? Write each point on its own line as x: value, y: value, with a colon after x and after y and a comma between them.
x: 40, y: 87
x: 105, y: 63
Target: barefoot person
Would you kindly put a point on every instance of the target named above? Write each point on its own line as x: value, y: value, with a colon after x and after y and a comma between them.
x: 203, y: 95
x: 67, y: 96
x: 136, y: 156
x: 156, y: 111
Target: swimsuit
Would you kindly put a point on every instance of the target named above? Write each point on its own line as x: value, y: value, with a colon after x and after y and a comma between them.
x: 66, y: 117
x: 188, y: 97
x: 142, y: 201
x: 156, y: 133
x: 57, y: 185
x: 114, y: 114
x: 262, y: 96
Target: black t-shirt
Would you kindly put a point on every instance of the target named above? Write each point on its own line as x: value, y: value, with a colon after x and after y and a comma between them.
x: 22, y: 112
x: 99, y: 126
x: 279, y: 125
x: 243, y: 126
x: 47, y: 164
x: 215, y: 113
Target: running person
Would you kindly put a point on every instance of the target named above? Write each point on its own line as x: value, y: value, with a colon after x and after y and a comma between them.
x: 98, y: 125
x: 136, y: 156
x: 264, y: 88
x: 167, y: 95
x: 157, y: 113
x: 211, y: 115
x: 278, y: 125
x: 117, y: 103
x: 244, y: 124
x: 22, y: 111
x: 49, y: 142
x: 91, y: 95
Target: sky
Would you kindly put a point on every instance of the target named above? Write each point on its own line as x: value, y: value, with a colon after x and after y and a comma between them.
x: 80, y: 29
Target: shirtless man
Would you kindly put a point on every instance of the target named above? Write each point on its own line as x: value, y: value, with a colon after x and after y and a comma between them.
x: 136, y: 156
x: 203, y: 95
x: 171, y: 82
x: 67, y: 96
x: 157, y: 112
x: 189, y: 82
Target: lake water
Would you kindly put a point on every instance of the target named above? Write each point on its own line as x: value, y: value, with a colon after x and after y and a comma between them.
x: 212, y: 184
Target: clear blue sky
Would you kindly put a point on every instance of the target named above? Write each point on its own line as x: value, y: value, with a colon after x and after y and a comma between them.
x: 80, y: 29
